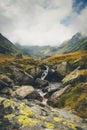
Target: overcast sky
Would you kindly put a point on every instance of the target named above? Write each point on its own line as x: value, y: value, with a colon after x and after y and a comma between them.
x: 42, y: 22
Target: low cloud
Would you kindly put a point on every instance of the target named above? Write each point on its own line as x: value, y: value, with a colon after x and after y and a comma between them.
x: 38, y: 22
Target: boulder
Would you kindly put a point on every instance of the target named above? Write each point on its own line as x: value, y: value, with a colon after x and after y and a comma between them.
x: 26, y: 92
x: 53, y: 87
x: 63, y: 68
x: 20, y: 77
x: 53, y: 76
x: 35, y: 95
x: 5, y: 81
x: 23, y: 91
x: 41, y: 83
x: 7, y: 91
x: 57, y: 94
x: 75, y: 76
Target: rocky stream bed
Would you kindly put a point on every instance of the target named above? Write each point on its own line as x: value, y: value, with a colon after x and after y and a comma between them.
x: 26, y: 103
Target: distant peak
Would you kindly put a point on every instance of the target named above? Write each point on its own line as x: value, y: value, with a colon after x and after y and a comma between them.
x: 78, y: 35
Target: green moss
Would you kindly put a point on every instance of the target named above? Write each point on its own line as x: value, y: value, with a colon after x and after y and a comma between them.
x: 44, y: 117
x: 73, y: 126
x: 8, y: 103
x: 25, y: 121
x: 49, y: 125
x: 57, y: 119
x: 9, y: 116
x: 25, y: 110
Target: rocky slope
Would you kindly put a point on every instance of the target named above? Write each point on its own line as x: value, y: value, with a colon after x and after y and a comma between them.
x: 7, y: 47
x: 23, y: 94
x: 76, y: 43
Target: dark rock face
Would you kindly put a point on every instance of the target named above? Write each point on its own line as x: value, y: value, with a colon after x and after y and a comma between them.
x: 35, y: 95
x: 63, y: 68
x: 20, y: 77
x: 5, y: 82
x: 6, y: 91
x: 41, y: 83
x: 53, y: 76
x: 57, y: 94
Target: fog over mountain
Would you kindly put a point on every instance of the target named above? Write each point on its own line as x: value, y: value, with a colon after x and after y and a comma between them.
x: 42, y: 22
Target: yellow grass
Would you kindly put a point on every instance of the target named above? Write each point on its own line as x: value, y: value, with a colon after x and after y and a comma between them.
x: 66, y: 57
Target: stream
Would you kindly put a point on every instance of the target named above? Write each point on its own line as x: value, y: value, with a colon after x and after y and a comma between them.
x: 52, y: 87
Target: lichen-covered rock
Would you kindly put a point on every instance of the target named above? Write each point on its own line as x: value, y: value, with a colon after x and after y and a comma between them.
x: 32, y: 115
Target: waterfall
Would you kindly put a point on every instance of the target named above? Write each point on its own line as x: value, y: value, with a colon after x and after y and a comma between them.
x: 44, y: 74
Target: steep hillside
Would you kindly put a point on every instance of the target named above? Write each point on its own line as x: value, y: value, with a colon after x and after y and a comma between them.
x: 79, y: 57
x: 76, y: 43
x: 7, y: 47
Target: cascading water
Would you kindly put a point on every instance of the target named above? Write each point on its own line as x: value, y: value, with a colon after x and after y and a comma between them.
x: 45, y: 73
x: 52, y: 85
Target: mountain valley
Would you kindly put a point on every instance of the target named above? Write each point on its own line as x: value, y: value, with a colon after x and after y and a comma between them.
x: 43, y: 88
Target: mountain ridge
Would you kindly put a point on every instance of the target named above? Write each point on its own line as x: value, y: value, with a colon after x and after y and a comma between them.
x: 76, y: 43
x: 6, y: 46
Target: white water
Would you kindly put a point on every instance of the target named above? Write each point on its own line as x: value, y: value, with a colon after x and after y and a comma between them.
x: 45, y: 73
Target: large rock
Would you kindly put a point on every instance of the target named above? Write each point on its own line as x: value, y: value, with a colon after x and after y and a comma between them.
x: 5, y: 81
x: 41, y: 83
x: 23, y: 91
x: 63, y: 68
x: 53, y: 76
x: 33, y: 115
x: 26, y: 92
x: 35, y: 95
x: 20, y: 77
x: 53, y: 87
x: 75, y: 76
x: 57, y: 94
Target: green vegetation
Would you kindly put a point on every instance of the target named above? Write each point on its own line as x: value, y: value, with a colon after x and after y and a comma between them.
x: 75, y: 98
x: 75, y: 58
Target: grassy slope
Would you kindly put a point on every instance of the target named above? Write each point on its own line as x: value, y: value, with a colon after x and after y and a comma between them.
x: 76, y: 97
x: 70, y: 57
x: 26, y: 63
